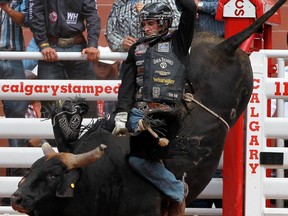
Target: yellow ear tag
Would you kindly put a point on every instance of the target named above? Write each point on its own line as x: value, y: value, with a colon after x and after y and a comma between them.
x: 72, y: 185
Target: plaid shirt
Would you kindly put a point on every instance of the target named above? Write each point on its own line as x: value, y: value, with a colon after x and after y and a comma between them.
x: 123, y: 22
x: 11, y: 36
x: 206, y: 18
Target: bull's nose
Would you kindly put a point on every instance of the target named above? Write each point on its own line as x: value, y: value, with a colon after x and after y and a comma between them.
x: 16, y: 200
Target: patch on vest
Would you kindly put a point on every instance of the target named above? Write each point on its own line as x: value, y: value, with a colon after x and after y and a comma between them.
x: 140, y: 49
x: 156, y: 92
x: 163, y: 47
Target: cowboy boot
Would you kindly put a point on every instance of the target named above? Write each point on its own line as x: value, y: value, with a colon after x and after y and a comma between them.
x: 177, y: 209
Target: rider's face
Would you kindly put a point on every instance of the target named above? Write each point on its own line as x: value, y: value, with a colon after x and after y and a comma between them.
x: 150, y: 27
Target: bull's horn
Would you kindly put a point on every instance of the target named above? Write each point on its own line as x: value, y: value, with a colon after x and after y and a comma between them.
x: 84, y: 159
x: 46, y: 148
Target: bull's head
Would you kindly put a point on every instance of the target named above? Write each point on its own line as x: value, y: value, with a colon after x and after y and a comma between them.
x: 55, y: 174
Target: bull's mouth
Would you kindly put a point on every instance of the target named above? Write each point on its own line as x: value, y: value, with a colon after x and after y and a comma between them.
x: 18, y: 206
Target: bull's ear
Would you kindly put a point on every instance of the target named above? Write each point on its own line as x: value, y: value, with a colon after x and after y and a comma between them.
x: 67, y: 186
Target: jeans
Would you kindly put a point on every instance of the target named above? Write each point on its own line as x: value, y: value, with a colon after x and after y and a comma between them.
x: 155, y: 171
x: 73, y: 70
x: 159, y: 176
x: 13, y: 69
x: 134, y: 117
x: 63, y: 70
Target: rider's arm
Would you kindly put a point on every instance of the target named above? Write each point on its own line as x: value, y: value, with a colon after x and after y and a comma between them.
x: 182, y: 37
x: 126, y: 95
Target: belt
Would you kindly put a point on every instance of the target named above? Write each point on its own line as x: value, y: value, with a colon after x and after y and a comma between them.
x: 66, y: 42
x: 152, y: 106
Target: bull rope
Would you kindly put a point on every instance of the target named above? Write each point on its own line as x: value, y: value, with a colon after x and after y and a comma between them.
x: 212, y: 112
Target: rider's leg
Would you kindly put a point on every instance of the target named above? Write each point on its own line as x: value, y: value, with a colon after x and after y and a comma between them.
x: 135, y: 116
x: 157, y: 174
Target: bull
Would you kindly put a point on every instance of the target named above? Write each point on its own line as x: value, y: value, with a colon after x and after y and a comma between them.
x: 222, y: 81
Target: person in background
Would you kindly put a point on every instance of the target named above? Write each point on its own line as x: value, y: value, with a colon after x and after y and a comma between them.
x: 206, y: 21
x: 122, y: 27
x: 58, y: 26
x: 159, y: 55
x: 14, y: 15
x: 31, y: 64
x: 106, y: 70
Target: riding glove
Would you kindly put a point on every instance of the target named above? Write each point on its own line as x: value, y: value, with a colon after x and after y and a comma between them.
x: 120, y: 123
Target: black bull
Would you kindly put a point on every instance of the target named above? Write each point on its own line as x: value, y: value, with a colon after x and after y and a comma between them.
x: 222, y: 80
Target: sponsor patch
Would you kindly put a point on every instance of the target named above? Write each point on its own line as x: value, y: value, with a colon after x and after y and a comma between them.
x: 163, y: 73
x: 72, y: 18
x: 163, y: 81
x: 163, y: 65
x: 163, y: 47
x: 140, y: 49
x: 53, y: 17
x: 156, y: 92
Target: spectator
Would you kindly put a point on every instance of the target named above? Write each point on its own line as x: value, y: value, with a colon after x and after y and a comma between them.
x: 206, y: 17
x: 167, y: 55
x: 14, y: 15
x: 122, y: 28
x: 106, y: 70
x: 30, y: 64
x: 58, y: 26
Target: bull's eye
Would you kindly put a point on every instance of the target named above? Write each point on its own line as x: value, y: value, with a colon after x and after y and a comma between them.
x: 52, y: 176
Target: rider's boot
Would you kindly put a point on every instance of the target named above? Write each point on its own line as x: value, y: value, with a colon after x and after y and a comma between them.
x: 176, y: 208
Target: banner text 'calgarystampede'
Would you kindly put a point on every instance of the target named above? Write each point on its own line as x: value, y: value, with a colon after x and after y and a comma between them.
x: 29, y: 89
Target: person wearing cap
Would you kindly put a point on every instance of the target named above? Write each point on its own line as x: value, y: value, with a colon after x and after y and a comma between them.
x: 206, y: 21
x: 153, y: 79
x: 106, y: 70
x: 122, y: 27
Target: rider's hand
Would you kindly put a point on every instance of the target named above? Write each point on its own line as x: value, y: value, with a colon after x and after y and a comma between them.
x: 187, y: 97
x: 120, y: 123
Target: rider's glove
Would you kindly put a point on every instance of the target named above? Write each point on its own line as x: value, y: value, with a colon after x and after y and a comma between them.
x: 188, y: 97
x: 120, y: 123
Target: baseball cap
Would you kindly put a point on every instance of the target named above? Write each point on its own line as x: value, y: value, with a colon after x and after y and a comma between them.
x: 106, y: 50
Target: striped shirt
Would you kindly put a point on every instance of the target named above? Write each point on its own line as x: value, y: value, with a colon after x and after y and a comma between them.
x: 11, y: 35
x: 206, y: 18
x: 123, y: 21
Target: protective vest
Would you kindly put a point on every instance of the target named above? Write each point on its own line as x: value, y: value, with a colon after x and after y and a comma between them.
x: 160, y: 74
